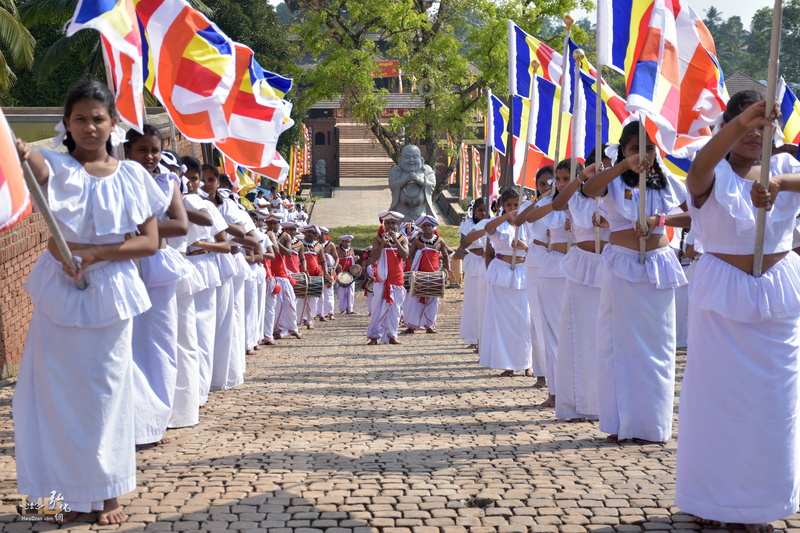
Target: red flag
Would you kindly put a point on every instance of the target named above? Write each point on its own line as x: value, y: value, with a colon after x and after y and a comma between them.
x: 15, y: 202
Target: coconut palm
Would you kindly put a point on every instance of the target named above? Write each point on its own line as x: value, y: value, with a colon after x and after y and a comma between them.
x: 18, y: 41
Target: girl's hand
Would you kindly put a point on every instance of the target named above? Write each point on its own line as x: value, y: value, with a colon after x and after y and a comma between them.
x: 636, y: 164
x: 511, y: 215
x: 82, y: 258
x: 517, y: 244
x: 589, y: 172
x: 762, y: 197
x: 753, y: 117
x: 600, y: 222
x: 644, y: 233
x: 23, y: 150
x: 568, y: 225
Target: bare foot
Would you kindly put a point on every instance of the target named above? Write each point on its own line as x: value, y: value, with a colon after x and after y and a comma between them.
x: 164, y: 440
x: 759, y: 528
x: 506, y: 374
x: 372, y: 342
x: 66, y: 518
x: 276, y: 336
x: 112, y: 513
x: 576, y: 420
x: 472, y: 347
x: 541, y: 383
x: 352, y: 313
x: 549, y: 402
x: 322, y: 319
x: 407, y: 331
x: 528, y: 373
x: 296, y: 334
x: 706, y: 522
x: 431, y: 330
x: 249, y: 352
x: 309, y: 326
x: 331, y: 317
x: 392, y: 340
x: 614, y: 438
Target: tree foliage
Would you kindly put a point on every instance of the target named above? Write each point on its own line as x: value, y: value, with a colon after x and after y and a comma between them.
x: 459, y: 45
x: 17, y: 44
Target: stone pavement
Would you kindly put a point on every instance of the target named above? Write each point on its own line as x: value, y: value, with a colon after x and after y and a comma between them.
x: 328, y: 434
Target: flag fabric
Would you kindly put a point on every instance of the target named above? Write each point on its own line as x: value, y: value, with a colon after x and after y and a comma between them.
x: 255, y: 119
x: 190, y: 66
x: 669, y: 61
x: 678, y: 166
x: 790, y: 113
x: 497, y: 124
x: 15, y: 202
x: 494, y: 178
x: 464, y: 183
x: 278, y: 171
x: 545, y: 111
x: 478, y: 173
x: 121, y: 38
x: 522, y: 50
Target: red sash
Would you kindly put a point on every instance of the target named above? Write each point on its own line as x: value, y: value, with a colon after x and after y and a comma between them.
x: 312, y: 264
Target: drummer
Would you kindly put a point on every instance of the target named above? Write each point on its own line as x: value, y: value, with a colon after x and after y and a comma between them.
x: 325, y: 306
x: 389, y: 249
x: 428, y: 251
x: 369, y: 277
x: 314, y: 267
x: 347, y: 259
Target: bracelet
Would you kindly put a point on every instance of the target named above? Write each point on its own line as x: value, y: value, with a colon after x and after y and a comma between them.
x: 662, y: 221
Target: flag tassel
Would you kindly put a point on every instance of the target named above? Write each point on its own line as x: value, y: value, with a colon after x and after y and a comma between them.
x: 766, y: 147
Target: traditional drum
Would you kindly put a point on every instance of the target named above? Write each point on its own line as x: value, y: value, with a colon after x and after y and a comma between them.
x: 428, y: 284
x: 345, y: 279
x: 315, y: 286
x: 370, y: 285
x: 407, y: 280
x: 355, y: 270
x: 301, y: 284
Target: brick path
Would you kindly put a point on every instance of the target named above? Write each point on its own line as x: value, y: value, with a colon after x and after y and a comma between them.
x: 328, y: 434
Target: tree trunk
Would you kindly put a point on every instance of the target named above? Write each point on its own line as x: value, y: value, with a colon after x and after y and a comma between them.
x: 388, y: 142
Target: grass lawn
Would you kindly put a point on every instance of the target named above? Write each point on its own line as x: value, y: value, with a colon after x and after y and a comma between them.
x: 364, y: 234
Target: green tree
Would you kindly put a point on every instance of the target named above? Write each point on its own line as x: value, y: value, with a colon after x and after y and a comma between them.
x: 18, y: 44
x: 458, y: 46
x: 759, y: 42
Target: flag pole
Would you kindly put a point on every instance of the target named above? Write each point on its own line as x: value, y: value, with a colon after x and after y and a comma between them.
x: 598, y: 145
x: 55, y: 231
x: 569, y: 21
x: 578, y: 55
x: 642, y: 188
x: 511, y: 88
x: 766, y: 147
x: 489, y: 134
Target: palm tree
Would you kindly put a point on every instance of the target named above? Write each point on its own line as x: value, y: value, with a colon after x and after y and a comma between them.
x: 18, y: 41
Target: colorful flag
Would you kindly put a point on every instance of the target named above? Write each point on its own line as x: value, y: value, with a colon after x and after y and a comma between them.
x: 545, y: 111
x: 522, y: 50
x: 669, y: 61
x: 497, y: 124
x: 190, y: 66
x: 478, y: 173
x: 464, y: 183
x: 122, y: 50
x: 494, y: 178
x: 678, y: 166
x: 278, y: 171
x: 255, y: 120
x: 790, y: 113
x: 15, y: 202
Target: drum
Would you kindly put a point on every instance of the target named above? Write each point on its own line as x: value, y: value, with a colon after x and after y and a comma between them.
x: 370, y: 285
x: 355, y: 270
x: 407, y: 280
x: 428, y: 284
x: 345, y: 279
x: 315, y: 286
x: 301, y: 284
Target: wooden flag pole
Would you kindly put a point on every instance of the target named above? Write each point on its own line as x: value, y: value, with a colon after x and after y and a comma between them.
x: 569, y: 21
x: 766, y: 147
x: 642, y: 188
x: 50, y: 220
x: 489, y: 134
x: 598, y: 147
x: 578, y: 55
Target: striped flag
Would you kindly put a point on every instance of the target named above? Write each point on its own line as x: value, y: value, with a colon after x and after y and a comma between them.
x: 190, y: 66
x: 278, y: 171
x: 126, y: 73
x: 255, y: 119
x: 15, y: 202
x: 545, y: 111
x: 497, y: 124
x: 494, y: 178
x: 478, y: 177
x: 678, y: 166
x: 464, y: 183
x: 669, y: 61
x: 522, y: 50
x: 790, y: 113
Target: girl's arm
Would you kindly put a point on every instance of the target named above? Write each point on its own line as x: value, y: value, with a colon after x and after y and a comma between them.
x: 177, y: 225
x: 532, y: 213
x: 762, y: 197
x: 489, y: 253
x: 701, y: 173
x: 237, y: 230
x: 471, y: 237
x: 35, y: 160
x: 219, y: 246
x: 560, y: 202
x: 495, y: 223
x: 201, y: 218
x: 598, y: 184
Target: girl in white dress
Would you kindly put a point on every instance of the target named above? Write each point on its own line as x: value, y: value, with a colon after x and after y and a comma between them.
x: 636, y: 317
x: 474, y: 275
x: 739, y: 441
x: 506, y: 332
x: 73, y: 404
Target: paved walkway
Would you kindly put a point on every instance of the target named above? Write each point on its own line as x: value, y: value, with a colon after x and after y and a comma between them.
x: 328, y: 434
x: 356, y: 202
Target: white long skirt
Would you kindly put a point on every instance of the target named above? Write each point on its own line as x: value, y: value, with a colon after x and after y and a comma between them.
x: 269, y: 309
x: 307, y: 310
x: 738, y: 438
x: 474, y: 299
x: 261, y: 306
x: 636, y: 345
x: 239, y: 346
x: 186, y: 403
x: 385, y: 320
x: 205, y: 308
x: 421, y: 312
x: 326, y: 305
x: 285, y: 308
x: 506, y: 331
x: 682, y: 313
x: 537, y: 321
x: 226, y: 369
x: 576, y: 370
x: 551, y: 294
x: 347, y: 298
x: 155, y: 358
x: 250, y: 312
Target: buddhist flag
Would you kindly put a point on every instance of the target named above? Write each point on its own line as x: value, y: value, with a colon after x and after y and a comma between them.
x: 478, y: 173
x: 523, y: 49
x: 497, y: 124
x: 15, y: 202
x: 790, y: 113
x: 255, y: 118
x: 545, y: 110
x: 464, y: 183
x: 190, y: 66
x: 278, y: 171
x: 494, y: 178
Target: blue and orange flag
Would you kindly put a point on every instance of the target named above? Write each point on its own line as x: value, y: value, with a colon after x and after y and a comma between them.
x: 497, y: 124
x: 523, y: 49
x: 190, y: 66
x: 790, y: 113
x: 15, y: 202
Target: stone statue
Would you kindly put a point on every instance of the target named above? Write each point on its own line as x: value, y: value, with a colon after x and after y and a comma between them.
x: 320, y: 171
x: 412, y: 183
